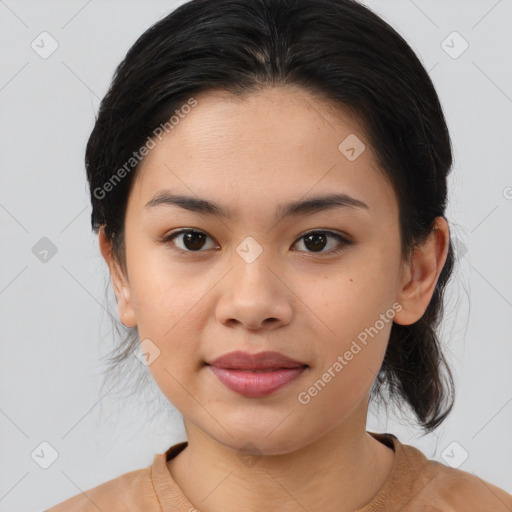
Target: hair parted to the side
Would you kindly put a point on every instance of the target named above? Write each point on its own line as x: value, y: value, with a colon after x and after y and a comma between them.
x: 336, y: 49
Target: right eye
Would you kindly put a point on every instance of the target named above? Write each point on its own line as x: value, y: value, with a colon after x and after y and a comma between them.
x: 191, y: 239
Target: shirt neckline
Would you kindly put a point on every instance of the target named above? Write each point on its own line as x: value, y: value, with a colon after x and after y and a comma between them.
x: 172, y: 498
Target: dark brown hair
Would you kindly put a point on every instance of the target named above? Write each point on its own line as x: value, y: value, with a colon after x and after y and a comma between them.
x: 336, y: 49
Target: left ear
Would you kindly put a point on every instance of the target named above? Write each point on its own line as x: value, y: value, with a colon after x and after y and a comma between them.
x: 420, y: 275
x: 119, y: 280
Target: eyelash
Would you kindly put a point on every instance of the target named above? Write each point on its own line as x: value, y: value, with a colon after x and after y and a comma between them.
x: 344, y: 241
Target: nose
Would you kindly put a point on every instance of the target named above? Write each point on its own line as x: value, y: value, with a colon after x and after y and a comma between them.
x: 255, y: 296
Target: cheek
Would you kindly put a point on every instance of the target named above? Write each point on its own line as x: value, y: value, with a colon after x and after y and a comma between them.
x: 354, y: 316
x: 164, y: 296
x: 169, y: 309
x: 345, y: 376
x: 344, y: 304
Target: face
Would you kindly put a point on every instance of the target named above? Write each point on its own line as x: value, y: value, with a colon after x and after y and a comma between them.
x: 318, y: 284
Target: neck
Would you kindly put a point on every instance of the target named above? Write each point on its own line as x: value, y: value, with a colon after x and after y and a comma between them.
x: 341, y: 471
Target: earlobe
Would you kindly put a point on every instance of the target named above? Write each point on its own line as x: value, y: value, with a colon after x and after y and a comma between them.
x: 125, y: 308
x: 421, y: 274
x: 119, y: 281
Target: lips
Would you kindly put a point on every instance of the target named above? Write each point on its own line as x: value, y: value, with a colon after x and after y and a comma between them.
x: 260, y: 361
x: 256, y: 375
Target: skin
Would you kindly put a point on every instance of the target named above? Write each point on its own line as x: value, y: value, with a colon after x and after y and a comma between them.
x: 249, y: 155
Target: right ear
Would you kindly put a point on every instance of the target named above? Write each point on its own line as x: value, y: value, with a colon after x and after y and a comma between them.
x: 119, y: 281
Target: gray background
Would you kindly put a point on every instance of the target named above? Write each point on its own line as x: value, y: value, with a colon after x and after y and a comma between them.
x: 54, y: 322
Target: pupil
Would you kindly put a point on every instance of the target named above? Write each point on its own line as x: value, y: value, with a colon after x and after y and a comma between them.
x: 316, y: 238
x: 191, y: 240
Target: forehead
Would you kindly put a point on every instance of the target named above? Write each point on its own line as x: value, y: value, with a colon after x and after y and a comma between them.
x: 265, y: 147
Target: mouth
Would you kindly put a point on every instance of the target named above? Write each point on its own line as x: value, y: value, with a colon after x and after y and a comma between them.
x: 256, y: 375
x: 260, y: 361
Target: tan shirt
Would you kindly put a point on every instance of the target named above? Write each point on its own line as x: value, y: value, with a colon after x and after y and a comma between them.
x: 415, y: 484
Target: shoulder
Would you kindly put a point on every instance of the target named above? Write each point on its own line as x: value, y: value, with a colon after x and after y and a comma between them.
x: 131, y: 491
x: 439, y: 487
x: 420, y: 484
x: 454, y: 489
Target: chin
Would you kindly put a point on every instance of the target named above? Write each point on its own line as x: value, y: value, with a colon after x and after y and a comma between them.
x: 263, y: 441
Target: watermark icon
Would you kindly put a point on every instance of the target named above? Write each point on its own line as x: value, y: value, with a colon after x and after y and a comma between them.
x: 454, y: 454
x: 304, y: 397
x: 148, y: 353
x: 44, y: 250
x: 459, y: 247
x: 44, y: 45
x: 351, y: 147
x: 44, y: 455
x: 507, y: 192
x: 454, y: 45
x: 249, y: 249
x: 137, y: 156
x: 249, y: 455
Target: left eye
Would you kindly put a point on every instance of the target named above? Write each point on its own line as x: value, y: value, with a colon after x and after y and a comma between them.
x: 317, y: 241
x: 192, y: 239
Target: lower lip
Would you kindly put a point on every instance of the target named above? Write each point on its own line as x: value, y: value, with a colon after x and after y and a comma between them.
x: 256, y: 384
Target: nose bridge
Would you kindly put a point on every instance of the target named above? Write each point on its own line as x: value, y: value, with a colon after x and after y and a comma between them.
x: 253, y: 277
x: 252, y: 294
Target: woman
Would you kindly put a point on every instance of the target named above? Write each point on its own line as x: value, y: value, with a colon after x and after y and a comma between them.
x: 268, y: 183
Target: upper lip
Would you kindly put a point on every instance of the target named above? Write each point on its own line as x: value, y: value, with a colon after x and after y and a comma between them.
x: 240, y: 360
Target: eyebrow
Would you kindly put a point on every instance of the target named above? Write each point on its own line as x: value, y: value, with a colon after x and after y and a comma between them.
x: 300, y: 207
